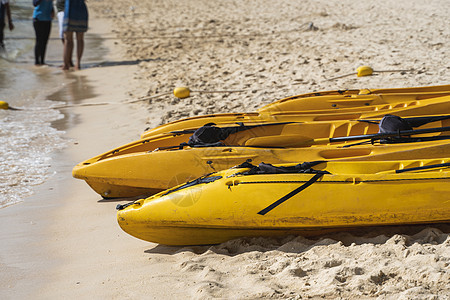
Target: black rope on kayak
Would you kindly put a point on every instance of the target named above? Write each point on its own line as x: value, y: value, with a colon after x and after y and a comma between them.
x: 203, y: 179
x: 404, y: 140
x: 400, y: 140
x: 264, y: 168
x: 123, y: 206
x: 359, y: 144
x: 368, y: 121
x: 342, y: 181
x: 292, y: 193
x: 423, y: 168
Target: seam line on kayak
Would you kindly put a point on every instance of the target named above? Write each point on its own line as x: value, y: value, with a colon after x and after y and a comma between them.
x: 343, y: 181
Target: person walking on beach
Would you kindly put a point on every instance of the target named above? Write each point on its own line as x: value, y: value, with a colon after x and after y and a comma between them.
x: 60, y: 5
x: 75, y: 20
x: 42, y: 23
x: 5, y: 11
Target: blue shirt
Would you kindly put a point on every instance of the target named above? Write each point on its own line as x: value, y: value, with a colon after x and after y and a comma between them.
x: 43, y: 10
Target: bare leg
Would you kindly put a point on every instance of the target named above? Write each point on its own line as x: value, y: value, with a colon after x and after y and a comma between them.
x: 80, y: 49
x: 71, y: 62
x: 68, y: 49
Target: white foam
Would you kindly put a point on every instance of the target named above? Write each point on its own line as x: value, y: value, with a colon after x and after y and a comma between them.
x: 26, y: 143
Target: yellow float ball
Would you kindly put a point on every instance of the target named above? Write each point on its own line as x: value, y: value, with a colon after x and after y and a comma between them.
x: 364, y: 71
x: 181, y: 92
x: 4, y: 105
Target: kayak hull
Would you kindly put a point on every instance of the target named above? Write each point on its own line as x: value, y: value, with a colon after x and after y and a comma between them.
x: 146, y: 173
x: 191, y: 235
x: 324, y: 107
x: 355, y: 194
x: 147, y: 166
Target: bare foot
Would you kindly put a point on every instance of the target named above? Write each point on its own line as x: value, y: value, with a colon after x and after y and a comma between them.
x: 64, y: 67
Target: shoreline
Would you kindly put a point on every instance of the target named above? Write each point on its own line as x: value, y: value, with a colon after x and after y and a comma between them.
x: 35, y: 232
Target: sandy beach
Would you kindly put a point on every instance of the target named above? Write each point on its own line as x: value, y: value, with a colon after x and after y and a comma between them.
x: 63, y: 242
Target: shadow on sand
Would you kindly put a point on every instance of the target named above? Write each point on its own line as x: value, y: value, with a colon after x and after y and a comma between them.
x: 120, y: 63
x: 421, y: 234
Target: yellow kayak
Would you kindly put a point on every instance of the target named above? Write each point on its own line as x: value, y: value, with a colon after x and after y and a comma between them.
x: 305, y: 199
x: 380, y: 91
x: 408, y: 90
x: 145, y: 167
x: 321, y: 108
x: 353, y: 98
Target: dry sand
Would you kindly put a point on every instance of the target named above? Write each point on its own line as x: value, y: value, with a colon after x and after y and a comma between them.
x: 275, y: 49
x: 64, y: 242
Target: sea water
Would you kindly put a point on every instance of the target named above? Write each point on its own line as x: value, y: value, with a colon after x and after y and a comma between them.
x: 27, y: 138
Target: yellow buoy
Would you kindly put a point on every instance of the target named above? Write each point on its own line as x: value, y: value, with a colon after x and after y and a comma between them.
x: 181, y: 92
x: 364, y: 71
x: 4, y: 105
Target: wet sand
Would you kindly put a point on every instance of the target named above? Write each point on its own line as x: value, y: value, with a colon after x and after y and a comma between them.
x: 64, y: 241
x: 44, y: 233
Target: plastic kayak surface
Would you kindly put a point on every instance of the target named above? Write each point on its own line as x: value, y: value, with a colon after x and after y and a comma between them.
x: 327, y: 196
x: 323, y: 107
x: 149, y: 165
x: 141, y: 173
